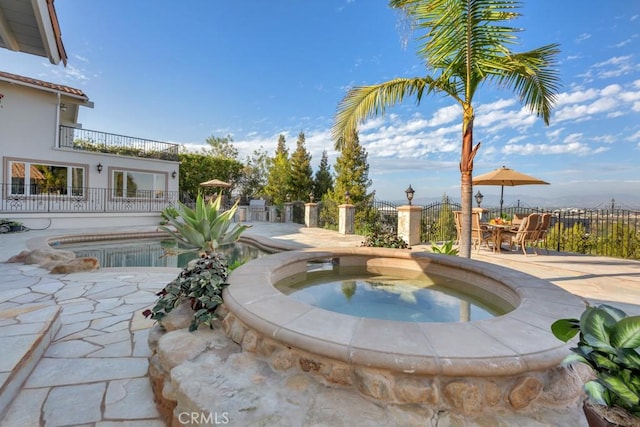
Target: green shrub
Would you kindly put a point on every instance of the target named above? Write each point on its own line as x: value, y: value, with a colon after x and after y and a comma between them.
x: 382, y: 239
x: 201, y: 284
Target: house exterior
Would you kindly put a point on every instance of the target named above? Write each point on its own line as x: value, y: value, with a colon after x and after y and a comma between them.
x: 52, y: 168
x: 31, y: 26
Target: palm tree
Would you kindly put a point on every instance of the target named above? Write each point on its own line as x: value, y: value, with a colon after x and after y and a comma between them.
x: 465, y: 44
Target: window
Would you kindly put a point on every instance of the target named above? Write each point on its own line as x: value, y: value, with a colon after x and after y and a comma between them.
x: 33, y: 178
x: 135, y: 184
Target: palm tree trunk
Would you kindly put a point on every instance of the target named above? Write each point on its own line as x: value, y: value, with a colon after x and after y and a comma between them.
x: 466, y: 184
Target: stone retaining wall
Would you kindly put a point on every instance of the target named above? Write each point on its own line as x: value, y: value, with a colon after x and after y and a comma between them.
x: 235, y: 370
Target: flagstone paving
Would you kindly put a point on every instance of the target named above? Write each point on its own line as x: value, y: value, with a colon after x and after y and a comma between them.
x: 93, y: 369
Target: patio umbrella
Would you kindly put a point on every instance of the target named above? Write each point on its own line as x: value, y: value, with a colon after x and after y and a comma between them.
x: 215, y: 183
x: 505, y: 176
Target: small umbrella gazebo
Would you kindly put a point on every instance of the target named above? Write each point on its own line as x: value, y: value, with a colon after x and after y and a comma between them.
x: 505, y: 176
x: 215, y: 183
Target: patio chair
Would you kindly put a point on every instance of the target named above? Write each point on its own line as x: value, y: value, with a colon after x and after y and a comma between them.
x: 527, y: 233
x: 543, y: 229
x: 479, y: 233
x: 517, y: 220
x: 457, y: 215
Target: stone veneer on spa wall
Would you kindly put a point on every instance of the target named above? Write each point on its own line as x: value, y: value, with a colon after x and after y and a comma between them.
x: 506, y: 364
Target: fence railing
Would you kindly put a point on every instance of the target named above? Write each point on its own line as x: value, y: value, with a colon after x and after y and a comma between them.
x: 87, y: 199
x: 101, y: 142
x: 607, y: 232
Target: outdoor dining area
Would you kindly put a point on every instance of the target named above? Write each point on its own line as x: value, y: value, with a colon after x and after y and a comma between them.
x: 518, y: 231
x: 521, y: 232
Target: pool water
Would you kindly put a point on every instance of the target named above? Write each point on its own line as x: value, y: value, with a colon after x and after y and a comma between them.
x: 151, y: 253
x: 426, y: 298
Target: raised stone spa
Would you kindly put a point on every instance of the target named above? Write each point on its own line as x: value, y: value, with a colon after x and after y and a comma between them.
x: 278, y: 360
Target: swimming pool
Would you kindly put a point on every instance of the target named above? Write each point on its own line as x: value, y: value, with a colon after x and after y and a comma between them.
x: 151, y: 252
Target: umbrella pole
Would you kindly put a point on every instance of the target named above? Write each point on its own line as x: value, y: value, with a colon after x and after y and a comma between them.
x: 501, y: 199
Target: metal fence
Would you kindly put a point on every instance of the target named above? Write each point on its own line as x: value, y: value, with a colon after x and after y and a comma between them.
x: 297, y: 212
x: 65, y: 200
x: 438, y: 222
x: 607, y: 232
x: 91, y: 140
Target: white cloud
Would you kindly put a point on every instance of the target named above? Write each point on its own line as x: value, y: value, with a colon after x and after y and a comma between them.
x: 445, y: 115
x: 554, y: 134
x: 545, y: 149
x: 566, y: 98
x: 582, y: 37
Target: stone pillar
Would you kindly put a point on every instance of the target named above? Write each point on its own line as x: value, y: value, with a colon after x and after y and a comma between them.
x: 311, y: 215
x: 409, y: 223
x: 273, y: 214
x: 288, y: 212
x: 346, y: 219
x: 243, y: 212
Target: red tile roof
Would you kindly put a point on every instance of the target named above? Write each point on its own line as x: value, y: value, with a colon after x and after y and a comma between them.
x: 35, y: 82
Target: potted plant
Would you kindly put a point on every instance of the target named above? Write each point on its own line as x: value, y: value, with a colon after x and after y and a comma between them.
x: 609, y: 342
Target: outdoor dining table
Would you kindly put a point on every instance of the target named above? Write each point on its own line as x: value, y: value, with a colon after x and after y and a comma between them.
x: 496, y: 232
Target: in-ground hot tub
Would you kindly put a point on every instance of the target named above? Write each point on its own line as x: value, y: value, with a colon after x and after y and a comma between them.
x: 510, y: 362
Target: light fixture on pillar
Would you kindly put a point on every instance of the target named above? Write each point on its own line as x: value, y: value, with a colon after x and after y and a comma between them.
x: 311, y: 197
x: 347, y: 197
x: 174, y: 174
x: 410, y: 192
x: 99, y: 167
x: 479, y: 198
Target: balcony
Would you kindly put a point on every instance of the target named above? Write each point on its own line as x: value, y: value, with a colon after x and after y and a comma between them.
x: 100, y: 142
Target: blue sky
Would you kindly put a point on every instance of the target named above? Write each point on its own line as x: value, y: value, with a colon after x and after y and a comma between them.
x: 182, y: 71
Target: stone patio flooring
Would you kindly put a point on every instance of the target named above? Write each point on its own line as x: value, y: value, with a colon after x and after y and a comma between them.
x: 91, y: 355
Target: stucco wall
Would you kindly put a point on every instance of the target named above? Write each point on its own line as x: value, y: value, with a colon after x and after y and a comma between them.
x: 29, y: 124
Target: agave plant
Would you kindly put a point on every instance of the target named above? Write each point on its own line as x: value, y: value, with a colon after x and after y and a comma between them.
x: 609, y: 342
x: 203, y: 228
x: 445, y: 249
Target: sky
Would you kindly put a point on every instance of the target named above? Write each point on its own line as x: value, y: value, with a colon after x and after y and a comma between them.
x: 181, y: 71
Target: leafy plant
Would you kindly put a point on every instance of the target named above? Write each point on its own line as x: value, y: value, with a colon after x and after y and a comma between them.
x: 201, y: 283
x: 445, y: 249
x: 383, y: 239
x: 609, y: 341
x: 203, y: 228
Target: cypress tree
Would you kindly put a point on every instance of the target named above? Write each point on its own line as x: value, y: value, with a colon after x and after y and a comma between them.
x: 301, y: 183
x: 323, y: 181
x: 279, y: 177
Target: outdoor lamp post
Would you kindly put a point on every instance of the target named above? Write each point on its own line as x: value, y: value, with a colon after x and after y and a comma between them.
x: 311, y: 197
x: 409, y: 191
x: 347, y: 197
x: 479, y: 198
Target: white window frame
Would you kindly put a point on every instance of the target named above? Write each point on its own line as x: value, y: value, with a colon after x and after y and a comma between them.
x: 159, y: 184
x: 71, y: 190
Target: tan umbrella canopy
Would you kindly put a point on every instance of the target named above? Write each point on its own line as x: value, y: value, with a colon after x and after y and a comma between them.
x: 505, y: 176
x: 215, y: 183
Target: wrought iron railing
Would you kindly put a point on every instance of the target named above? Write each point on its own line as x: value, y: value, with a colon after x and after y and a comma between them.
x: 101, y: 142
x: 438, y: 223
x: 87, y: 199
x: 607, y: 232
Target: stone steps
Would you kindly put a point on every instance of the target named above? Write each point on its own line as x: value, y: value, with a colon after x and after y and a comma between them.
x: 25, y: 333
